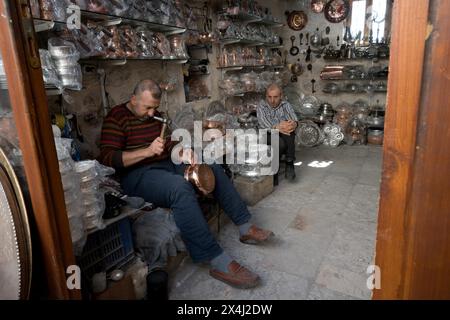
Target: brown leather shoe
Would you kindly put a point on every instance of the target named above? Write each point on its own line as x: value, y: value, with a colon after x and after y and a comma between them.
x: 238, y: 276
x: 256, y: 235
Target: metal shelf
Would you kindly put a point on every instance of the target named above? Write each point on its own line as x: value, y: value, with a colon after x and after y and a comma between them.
x: 114, y: 20
x: 122, y: 61
x: 262, y: 66
x: 53, y: 91
x: 248, y: 43
x: 109, y: 20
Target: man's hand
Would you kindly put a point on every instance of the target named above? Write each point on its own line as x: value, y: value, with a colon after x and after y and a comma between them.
x: 287, y: 127
x: 156, y: 148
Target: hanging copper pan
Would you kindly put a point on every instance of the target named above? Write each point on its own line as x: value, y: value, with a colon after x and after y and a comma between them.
x: 297, y: 20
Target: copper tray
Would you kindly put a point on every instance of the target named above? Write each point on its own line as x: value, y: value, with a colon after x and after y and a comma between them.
x: 297, y: 20
x: 337, y: 10
x: 317, y: 6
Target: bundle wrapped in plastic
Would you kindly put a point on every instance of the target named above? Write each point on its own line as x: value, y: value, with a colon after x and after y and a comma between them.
x: 71, y: 186
x: 157, y: 237
x: 65, y: 55
x: 49, y: 73
x: 91, y: 173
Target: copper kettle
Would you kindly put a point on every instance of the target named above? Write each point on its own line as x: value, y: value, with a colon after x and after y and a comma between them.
x: 201, y: 176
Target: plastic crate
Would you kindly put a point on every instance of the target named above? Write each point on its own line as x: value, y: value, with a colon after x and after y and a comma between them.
x: 107, y: 249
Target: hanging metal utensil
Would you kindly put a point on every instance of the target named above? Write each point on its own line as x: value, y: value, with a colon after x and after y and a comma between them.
x: 308, y: 54
x: 301, y: 39
x: 294, y: 49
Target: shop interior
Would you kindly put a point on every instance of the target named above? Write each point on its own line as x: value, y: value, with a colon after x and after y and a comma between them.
x: 213, y: 61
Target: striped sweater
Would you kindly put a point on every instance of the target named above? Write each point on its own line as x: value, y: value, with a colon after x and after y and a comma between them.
x: 123, y: 131
x: 268, y: 117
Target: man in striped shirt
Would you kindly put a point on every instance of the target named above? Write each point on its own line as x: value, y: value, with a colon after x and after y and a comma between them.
x: 273, y: 113
x: 131, y: 144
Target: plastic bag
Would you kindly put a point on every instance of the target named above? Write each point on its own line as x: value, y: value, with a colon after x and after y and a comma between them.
x: 157, y: 237
x: 49, y: 73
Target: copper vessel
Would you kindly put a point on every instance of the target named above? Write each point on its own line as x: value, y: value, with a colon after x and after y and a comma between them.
x: 201, y: 176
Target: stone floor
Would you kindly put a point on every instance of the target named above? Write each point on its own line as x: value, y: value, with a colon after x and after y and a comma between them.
x: 325, y: 227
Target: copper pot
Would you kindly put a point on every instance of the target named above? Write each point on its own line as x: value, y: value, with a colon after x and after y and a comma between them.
x: 201, y: 176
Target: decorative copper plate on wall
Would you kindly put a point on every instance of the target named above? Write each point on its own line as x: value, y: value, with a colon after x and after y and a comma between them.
x: 337, y: 10
x: 297, y: 20
x: 317, y: 6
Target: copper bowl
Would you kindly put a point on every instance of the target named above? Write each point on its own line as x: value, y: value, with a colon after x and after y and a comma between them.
x: 202, y: 177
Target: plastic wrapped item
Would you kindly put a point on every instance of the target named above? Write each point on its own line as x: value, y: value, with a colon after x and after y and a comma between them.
x: 231, y: 85
x: 65, y: 55
x: 178, y: 47
x: 163, y: 46
x: 49, y: 72
x: 54, y: 9
x: 90, y: 40
x: 184, y: 119
x: 71, y: 77
x: 157, y: 237
x: 61, y: 49
x: 146, y: 43
x: 213, y: 108
x: 248, y: 81
x: 99, y: 6
x: 119, y: 7
x: 129, y: 41
x: 137, y: 9
x: 91, y: 173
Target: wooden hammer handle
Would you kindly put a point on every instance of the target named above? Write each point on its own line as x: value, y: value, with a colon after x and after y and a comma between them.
x: 163, y: 130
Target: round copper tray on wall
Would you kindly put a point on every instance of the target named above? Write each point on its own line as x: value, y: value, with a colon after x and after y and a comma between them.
x: 297, y: 20
x: 317, y: 6
x: 15, y: 256
x: 337, y: 10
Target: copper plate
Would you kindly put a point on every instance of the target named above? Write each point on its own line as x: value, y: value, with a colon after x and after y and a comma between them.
x: 297, y: 20
x: 15, y: 257
x: 317, y: 6
x: 337, y: 10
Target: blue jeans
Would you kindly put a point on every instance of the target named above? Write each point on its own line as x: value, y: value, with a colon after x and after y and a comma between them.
x: 163, y: 184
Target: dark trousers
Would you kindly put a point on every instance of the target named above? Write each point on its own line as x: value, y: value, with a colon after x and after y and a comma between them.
x: 163, y: 184
x: 287, y: 145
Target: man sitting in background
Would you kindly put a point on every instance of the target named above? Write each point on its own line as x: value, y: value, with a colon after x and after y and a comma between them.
x: 273, y: 113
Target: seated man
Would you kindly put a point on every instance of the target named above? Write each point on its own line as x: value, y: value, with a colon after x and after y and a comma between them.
x: 131, y: 143
x: 273, y: 113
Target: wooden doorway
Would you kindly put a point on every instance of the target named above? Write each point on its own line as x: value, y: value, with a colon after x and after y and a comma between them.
x: 413, y: 241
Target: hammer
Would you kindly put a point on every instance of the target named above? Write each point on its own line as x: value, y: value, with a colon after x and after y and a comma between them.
x: 165, y: 123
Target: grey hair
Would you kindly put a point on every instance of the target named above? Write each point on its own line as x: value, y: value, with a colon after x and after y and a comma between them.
x: 148, y: 85
x: 274, y: 86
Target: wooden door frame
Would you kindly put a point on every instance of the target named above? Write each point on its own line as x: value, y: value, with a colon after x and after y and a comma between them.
x: 30, y: 109
x: 413, y: 249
